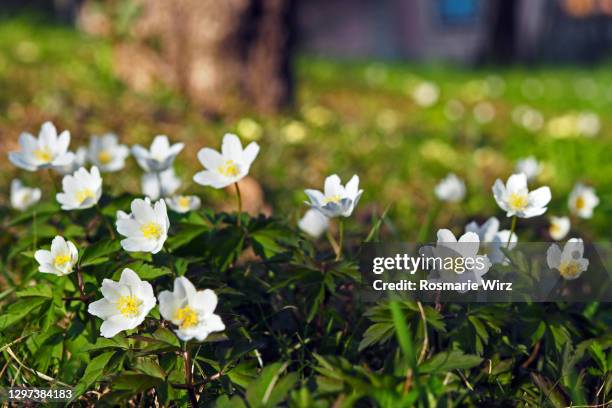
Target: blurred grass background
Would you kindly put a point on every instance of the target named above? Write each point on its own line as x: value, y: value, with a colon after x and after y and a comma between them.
x: 350, y: 117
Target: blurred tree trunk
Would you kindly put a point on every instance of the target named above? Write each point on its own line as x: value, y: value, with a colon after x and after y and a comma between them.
x: 224, y: 55
x: 502, y: 23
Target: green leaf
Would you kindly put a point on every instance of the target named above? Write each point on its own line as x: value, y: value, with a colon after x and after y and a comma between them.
x: 186, y: 234
x: 225, y: 402
x: 99, y: 252
x: 376, y: 333
x: 150, y: 367
x: 40, y: 290
x: 145, y: 271
x: 447, y: 361
x: 94, y: 370
x: 260, y: 391
x: 118, y: 342
x: 18, y: 311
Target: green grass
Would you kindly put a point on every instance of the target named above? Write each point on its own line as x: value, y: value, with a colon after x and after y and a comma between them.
x: 356, y: 117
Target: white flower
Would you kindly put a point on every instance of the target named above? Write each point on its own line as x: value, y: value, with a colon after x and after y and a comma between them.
x: 162, y: 184
x: 227, y: 167
x: 79, y: 160
x: 23, y: 197
x: 183, y: 204
x: 529, y: 166
x: 559, y: 227
x: 159, y: 157
x: 336, y: 200
x: 582, y: 201
x: 426, y: 94
x: 82, y: 190
x: 60, y: 260
x: 460, y: 251
x: 125, y: 303
x: 146, y: 228
x: 516, y: 200
x: 451, y: 189
x: 106, y: 152
x: 192, y: 311
x: 314, y: 223
x: 492, y: 239
x: 569, y: 262
x: 48, y: 151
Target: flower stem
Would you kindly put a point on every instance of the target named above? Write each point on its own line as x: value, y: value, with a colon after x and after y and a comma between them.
x: 162, y: 193
x: 53, y: 181
x: 80, y: 284
x: 512, y: 228
x: 170, y: 260
x: 423, y: 234
x: 35, y: 230
x: 105, y: 221
x: 189, y: 377
x: 340, y: 238
x: 239, y: 203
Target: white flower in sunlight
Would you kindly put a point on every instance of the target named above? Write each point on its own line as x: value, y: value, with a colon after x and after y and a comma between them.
x: 47, y: 151
x: 451, y: 189
x: 582, y: 200
x: 569, y: 262
x: 467, y: 264
x: 157, y: 185
x: 183, y: 203
x: 191, y: 310
x: 159, y: 157
x: 559, y: 227
x: 106, y: 152
x: 492, y: 239
x: 484, y: 112
x: 426, y: 94
x: 146, y: 228
x: 79, y: 160
x: 588, y: 124
x: 82, y: 190
x: 336, y: 200
x: 516, y: 199
x: 314, y: 223
x: 529, y: 166
x: 125, y: 303
x: 228, y: 167
x: 23, y: 197
x: 60, y: 260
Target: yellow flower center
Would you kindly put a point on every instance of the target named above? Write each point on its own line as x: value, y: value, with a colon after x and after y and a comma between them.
x: 569, y: 269
x: 229, y: 169
x: 61, y: 260
x: 129, y: 306
x: 151, y: 230
x: 518, y: 201
x: 580, y: 203
x: 104, y: 157
x: 43, y: 155
x: 183, y: 202
x: 332, y: 199
x: 83, y: 195
x: 554, y: 229
x: 187, y: 317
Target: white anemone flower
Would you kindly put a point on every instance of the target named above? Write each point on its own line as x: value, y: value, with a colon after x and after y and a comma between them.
x: 570, y: 262
x: 125, y: 303
x: 146, y: 228
x: 23, y: 197
x: 451, y: 189
x: 191, y: 310
x: 314, y: 223
x: 516, y: 199
x: 472, y: 266
x: 158, y: 185
x: 47, y: 151
x: 183, y: 203
x: 529, y: 166
x: 228, y: 167
x: 426, y: 94
x: 492, y: 239
x: 159, y: 157
x: 79, y: 160
x: 60, y: 260
x: 336, y: 200
x: 82, y: 190
x: 106, y: 152
x: 582, y: 201
x: 559, y: 227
